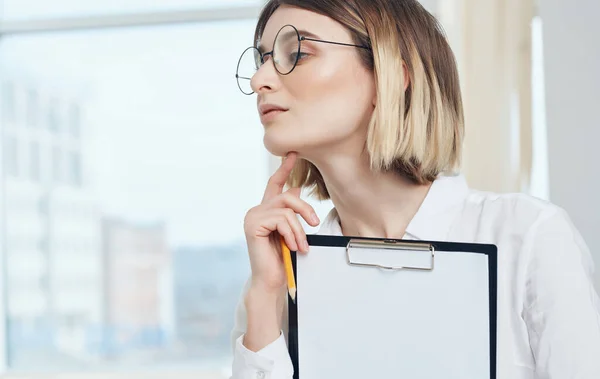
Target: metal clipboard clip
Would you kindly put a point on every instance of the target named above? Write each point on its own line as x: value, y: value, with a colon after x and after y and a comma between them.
x: 386, y: 244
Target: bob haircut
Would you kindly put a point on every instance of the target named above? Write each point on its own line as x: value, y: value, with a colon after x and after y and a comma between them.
x: 417, y: 133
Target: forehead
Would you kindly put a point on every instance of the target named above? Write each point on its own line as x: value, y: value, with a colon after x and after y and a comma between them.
x: 315, y: 23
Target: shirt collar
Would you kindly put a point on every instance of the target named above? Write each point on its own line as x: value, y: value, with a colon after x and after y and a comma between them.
x: 434, y: 218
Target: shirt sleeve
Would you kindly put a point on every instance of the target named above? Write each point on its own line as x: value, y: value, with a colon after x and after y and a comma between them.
x: 271, y: 362
x: 562, y: 308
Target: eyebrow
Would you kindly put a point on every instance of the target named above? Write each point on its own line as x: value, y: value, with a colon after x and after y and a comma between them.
x: 302, y: 32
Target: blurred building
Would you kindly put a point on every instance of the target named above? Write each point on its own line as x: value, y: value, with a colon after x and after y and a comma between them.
x: 138, y: 286
x: 208, y: 281
x: 52, y: 230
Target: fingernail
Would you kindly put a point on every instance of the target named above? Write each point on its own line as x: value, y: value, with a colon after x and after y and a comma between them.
x: 305, y: 246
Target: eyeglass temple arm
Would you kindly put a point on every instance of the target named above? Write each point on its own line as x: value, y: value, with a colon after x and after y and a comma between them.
x: 333, y: 43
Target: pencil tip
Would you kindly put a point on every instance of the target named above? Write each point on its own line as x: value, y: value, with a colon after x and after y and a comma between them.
x: 293, y: 294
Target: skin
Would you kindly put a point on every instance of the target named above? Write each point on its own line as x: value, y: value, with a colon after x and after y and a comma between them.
x: 330, y: 97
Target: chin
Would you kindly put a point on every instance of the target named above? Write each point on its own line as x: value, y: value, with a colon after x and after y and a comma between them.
x: 277, y: 146
x: 281, y: 139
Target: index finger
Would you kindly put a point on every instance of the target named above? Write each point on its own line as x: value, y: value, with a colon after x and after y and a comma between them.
x: 279, y: 178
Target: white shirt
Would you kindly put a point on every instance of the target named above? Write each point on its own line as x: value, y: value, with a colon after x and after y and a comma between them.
x: 548, y: 310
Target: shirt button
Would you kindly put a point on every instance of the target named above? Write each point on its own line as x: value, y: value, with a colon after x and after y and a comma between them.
x: 260, y: 375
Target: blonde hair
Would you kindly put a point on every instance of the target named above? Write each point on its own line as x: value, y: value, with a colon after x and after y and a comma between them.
x: 417, y: 133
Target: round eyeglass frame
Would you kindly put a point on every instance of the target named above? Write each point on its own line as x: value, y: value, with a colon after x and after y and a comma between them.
x: 263, y: 55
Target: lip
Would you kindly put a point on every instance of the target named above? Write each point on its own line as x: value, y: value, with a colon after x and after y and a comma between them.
x: 268, y: 111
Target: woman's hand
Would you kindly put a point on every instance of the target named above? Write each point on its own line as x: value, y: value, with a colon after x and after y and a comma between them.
x: 275, y: 216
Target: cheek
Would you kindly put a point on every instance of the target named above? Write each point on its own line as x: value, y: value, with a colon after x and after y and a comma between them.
x: 333, y: 100
x: 312, y: 84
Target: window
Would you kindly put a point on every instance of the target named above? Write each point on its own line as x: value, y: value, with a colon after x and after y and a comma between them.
x: 11, y: 156
x: 74, y: 120
x: 53, y: 116
x: 170, y: 172
x: 42, y: 208
x: 32, y: 9
x: 57, y: 164
x: 32, y: 107
x: 8, y: 102
x: 75, y: 169
x: 539, y: 180
x: 34, y: 162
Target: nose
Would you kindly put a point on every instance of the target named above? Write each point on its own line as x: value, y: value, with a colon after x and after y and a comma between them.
x: 266, y: 78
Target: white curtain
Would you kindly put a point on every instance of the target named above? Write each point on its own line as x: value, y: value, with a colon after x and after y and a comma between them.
x: 492, y: 42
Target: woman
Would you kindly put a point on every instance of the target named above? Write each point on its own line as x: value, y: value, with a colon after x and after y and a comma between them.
x: 363, y: 99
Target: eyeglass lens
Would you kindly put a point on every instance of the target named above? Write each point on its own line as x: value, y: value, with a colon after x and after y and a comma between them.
x: 286, y: 49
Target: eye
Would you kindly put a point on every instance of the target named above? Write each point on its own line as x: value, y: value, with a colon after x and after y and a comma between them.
x: 297, y: 55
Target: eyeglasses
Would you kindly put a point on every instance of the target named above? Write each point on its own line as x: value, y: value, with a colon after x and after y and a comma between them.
x: 285, y: 55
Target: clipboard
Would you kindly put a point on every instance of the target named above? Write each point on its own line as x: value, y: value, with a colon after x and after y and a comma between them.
x: 386, y: 308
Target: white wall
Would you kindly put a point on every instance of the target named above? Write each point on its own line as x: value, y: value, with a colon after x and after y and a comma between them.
x: 572, y: 68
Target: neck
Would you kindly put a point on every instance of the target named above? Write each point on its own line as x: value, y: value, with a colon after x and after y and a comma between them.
x: 379, y: 205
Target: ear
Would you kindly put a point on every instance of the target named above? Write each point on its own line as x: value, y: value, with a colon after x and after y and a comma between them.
x: 406, y: 76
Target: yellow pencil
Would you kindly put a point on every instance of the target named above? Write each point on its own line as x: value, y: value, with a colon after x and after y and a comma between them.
x: 289, y: 270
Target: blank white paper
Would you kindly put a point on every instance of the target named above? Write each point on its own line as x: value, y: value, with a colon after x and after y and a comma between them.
x: 358, y: 322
